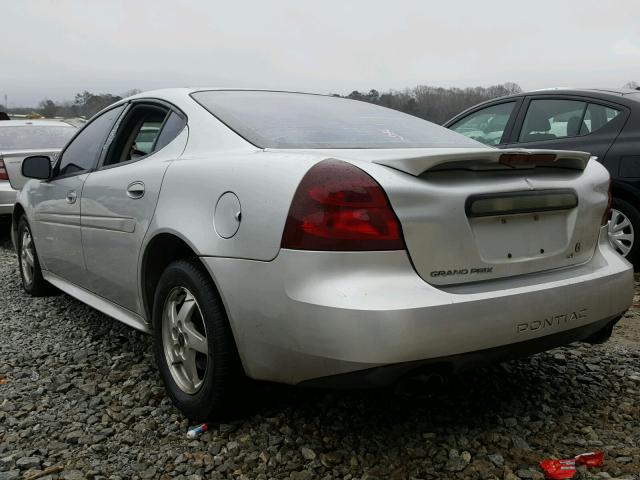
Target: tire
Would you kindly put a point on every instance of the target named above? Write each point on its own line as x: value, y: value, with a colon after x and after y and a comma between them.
x: 29, y: 264
x: 200, y: 385
x: 622, y: 233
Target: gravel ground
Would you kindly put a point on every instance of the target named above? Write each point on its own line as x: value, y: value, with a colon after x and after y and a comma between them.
x: 80, y: 398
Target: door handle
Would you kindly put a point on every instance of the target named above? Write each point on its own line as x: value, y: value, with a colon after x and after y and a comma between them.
x: 72, y: 196
x: 135, y: 190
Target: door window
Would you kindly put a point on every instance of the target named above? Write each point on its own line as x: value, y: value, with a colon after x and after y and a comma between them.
x: 144, y: 130
x: 486, y: 125
x: 81, y: 154
x: 551, y: 119
x: 596, y: 117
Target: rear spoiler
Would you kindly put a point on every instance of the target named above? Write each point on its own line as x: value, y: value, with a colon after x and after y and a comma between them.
x: 486, y: 159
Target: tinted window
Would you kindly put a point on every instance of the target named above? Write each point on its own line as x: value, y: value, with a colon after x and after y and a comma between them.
x: 596, y: 117
x: 172, y: 127
x: 137, y: 134
x: 33, y: 136
x: 486, y: 125
x: 551, y: 119
x: 82, y: 152
x: 146, y: 137
x: 296, y: 120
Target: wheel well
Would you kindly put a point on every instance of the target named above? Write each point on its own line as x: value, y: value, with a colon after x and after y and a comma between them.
x: 626, y: 195
x: 161, y: 251
x: 18, y: 212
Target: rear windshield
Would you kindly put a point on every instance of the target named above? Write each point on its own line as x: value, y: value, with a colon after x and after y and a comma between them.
x: 31, y: 136
x: 298, y: 120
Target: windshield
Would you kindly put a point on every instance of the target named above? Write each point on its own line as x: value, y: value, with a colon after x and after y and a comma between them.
x: 30, y: 136
x: 298, y: 120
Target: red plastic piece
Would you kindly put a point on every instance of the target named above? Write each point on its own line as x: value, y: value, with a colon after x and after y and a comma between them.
x: 562, y: 469
x: 558, y: 469
x: 590, y: 459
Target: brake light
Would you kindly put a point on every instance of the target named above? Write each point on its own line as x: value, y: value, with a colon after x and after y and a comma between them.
x: 337, y: 206
x: 607, y: 212
x: 3, y: 171
x: 525, y: 159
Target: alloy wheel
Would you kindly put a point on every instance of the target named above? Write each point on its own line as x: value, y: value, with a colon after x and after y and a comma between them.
x: 27, y: 257
x: 184, y: 340
x: 621, y: 234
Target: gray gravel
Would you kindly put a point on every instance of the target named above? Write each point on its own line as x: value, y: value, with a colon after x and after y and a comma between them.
x: 81, y: 399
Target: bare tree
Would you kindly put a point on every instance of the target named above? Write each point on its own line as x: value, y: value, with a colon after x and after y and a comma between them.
x: 436, y: 104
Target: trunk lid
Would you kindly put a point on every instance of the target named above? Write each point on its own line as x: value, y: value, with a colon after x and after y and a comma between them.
x: 469, y: 215
x: 13, y: 163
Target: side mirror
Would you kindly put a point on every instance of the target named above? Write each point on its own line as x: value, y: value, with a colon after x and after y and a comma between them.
x: 38, y: 167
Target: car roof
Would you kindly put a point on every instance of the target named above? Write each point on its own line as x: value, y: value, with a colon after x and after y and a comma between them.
x: 35, y: 122
x: 568, y: 90
x: 602, y: 93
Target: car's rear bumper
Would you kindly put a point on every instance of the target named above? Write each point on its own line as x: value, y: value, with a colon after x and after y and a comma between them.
x: 308, y: 315
x: 7, y: 198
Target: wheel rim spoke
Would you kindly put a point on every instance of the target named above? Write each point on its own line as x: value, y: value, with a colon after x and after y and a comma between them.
x: 186, y: 310
x: 191, y: 370
x: 195, y: 340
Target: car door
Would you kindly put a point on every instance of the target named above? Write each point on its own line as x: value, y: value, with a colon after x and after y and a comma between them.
x: 568, y: 123
x: 56, y: 202
x: 119, y: 198
x: 489, y: 124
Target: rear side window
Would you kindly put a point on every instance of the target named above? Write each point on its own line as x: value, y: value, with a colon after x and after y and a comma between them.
x: 551, y: 119
x: 596, y: 117
x: 298, y: 120
x: 486, y: 125
x: 172, y: 128
x: 81, y: 154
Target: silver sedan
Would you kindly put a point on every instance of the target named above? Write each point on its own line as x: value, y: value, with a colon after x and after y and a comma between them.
x: 315, y: 240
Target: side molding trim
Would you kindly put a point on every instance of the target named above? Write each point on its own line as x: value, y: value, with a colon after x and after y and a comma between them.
x: 105, y: 306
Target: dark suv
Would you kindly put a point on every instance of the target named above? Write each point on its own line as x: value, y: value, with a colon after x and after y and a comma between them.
x: 605, y: 123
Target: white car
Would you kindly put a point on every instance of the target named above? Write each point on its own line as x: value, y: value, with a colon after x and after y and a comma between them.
x: 20, y: 139
x: 315, y: 240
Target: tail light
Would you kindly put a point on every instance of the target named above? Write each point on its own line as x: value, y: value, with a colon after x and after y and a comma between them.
x: 337, y: 206
x: 607, y: 212
x: 3, y: 171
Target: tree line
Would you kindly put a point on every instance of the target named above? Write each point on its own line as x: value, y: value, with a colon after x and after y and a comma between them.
x: 436, y: 104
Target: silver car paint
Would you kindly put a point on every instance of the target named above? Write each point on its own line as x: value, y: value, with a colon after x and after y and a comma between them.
x: 297, y: 315
x: 13, y: 164
x: 307, y: 315
x: 7, y: 198
x: 114, y: 225
x: 13, y: 161
x: 54, y: 215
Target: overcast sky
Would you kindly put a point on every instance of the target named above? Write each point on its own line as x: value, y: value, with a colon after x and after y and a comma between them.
x: 53, y: 49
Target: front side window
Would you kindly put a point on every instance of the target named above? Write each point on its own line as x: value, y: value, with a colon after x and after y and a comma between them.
x: 596, y: 117
x: 82, y: 153
x: 552, y: 119
x: 298, y: 120
x: 486, y: 125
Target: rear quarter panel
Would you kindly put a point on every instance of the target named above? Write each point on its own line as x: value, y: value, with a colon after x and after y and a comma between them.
x: 264, y: 183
